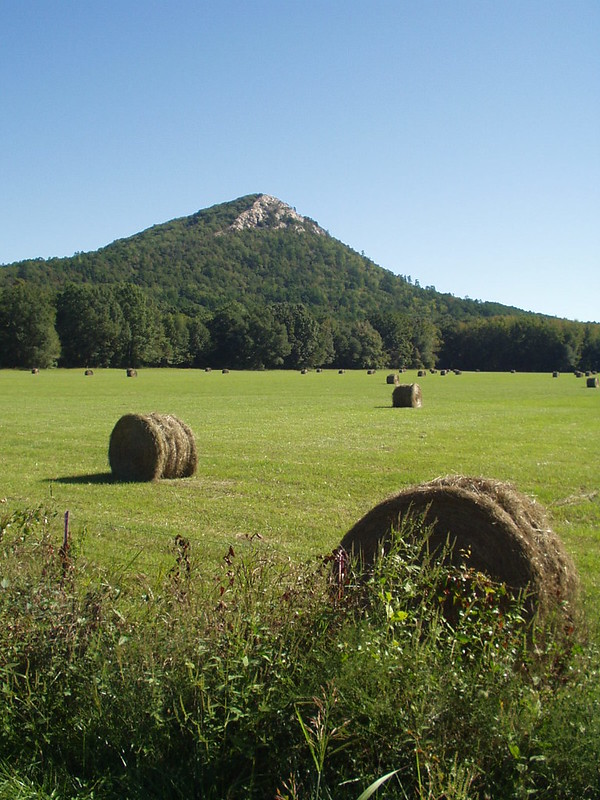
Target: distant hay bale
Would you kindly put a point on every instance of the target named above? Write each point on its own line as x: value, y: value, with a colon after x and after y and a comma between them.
x: 89, y: 372
x: 393, y: 379
x: 304, y: 371
x: 370, y: 372
x: 578, y: 374
x: 341, y: 371
x: 555, y: 374
x: 443, y: 371
x: 319, y: 370
x: 35, y: 371
x: 592, y: 383
x: 421, y: 373
x: 457, y: 371
x: 407, y: 395
x: 490, y: 527
x: 225, y: 371
x: 207, y: 369
x: 147, y: 447
x: 132, y: 373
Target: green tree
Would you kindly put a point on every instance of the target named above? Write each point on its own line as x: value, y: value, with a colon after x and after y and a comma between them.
x: 269, y: 345
x: 395, y: 330
x: 28, y: 337
x: 89, y: 322
x: 303, y: 334
x: 142, y: 337
x: 358, y: 346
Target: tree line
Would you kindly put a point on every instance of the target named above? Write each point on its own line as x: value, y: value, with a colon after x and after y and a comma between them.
x: 123, y: 325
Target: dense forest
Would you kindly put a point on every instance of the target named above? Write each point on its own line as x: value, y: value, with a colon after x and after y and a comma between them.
x: 252, y: 285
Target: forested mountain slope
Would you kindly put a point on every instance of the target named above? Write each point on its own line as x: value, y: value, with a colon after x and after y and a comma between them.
x: 251, y: 284
x: 253, y: 249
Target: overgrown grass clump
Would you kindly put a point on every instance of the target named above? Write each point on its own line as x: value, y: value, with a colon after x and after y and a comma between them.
x: 278, y: 680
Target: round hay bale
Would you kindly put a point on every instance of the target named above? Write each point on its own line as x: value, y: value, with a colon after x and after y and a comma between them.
x: 443, y: 372
x: 341, y: 371
x: 304, y: 371
x: 132, y: 373
x: 490, y: 527
x: 407, y: 395
x: 592, y: 383
x: 370, y: 372
x: 151, y: 446
x: 89, y: 372
x: 393, y: 379
x: 555, y: 374
x: 421, y: 373
x: 225, y: 371
x: 35, y: 371
x: 207, y: 369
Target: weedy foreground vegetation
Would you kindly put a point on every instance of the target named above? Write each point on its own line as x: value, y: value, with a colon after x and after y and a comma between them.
x: 186, y: 639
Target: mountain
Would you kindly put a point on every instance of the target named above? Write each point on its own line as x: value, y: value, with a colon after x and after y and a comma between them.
x: 254, y: 250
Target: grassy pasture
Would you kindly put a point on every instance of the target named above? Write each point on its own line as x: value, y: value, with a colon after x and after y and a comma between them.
x: 296, y: 459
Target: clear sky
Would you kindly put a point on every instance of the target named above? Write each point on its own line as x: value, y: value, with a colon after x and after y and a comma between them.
x: 455, y: 141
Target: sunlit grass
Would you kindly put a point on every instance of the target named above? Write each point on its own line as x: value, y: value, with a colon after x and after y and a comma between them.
x: 296, y: 459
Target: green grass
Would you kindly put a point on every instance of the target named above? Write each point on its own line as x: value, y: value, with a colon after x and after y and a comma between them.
x: 122, y: 677
x: 296, y: 459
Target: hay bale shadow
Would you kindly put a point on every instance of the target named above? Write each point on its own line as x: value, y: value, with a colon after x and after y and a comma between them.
x: 93, y: 478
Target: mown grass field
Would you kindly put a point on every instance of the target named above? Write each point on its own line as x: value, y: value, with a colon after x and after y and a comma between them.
x: 125, y: 673
x: 296, y: 459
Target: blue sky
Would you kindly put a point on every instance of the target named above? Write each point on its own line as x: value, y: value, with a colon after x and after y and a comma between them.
x: 456, y: 141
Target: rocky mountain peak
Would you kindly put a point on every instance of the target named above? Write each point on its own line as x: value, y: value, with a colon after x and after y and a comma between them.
x: 269, y: 212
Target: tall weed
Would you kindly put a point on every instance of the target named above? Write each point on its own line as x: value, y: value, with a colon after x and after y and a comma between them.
x: 270, y: 679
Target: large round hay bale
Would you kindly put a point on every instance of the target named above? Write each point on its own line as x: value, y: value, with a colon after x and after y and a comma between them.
x: 393, y: 379
x: 132, y: 373
x: 407, y: 395
x: 146, y: 447
x: 489, y: 526
x: 592, y: 383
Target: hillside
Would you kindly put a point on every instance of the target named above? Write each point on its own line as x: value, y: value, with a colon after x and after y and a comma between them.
x: 253, y: 250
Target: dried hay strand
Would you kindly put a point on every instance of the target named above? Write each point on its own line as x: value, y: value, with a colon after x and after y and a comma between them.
x: 393, y: 379
x: 490, y: 527
x: 592, y: 383
x: 407, y: 395
x: 151, y: 446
